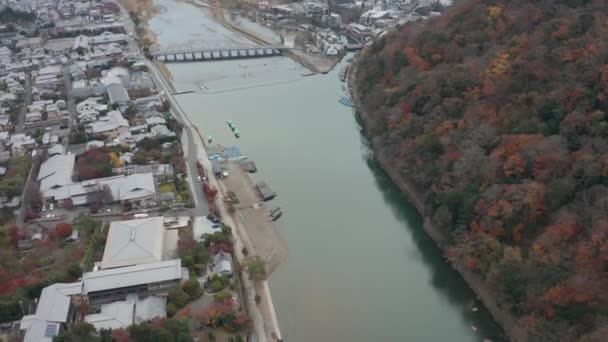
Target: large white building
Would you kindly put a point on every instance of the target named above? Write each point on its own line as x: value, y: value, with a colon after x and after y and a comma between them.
x: 57, y: 185
x: 56, y: 306
x: 136, y: 242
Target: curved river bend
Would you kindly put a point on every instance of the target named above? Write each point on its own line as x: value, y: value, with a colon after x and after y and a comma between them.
x: 360, y: 266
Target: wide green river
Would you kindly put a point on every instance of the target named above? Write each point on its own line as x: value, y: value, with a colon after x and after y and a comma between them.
x: 360, y: 267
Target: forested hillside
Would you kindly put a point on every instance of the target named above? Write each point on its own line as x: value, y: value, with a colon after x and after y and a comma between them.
x: 497, y: 111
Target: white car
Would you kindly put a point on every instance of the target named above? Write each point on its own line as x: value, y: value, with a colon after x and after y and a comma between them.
x: 51, y: 206
x: 198, y: 178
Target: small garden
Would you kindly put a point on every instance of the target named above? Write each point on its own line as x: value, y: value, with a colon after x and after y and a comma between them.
x: 13, y: 182
x: 23, y: 274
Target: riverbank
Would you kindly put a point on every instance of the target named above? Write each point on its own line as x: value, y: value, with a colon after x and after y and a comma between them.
x: 263, y: 315
x: 144, y: 9
x: 505, y: 319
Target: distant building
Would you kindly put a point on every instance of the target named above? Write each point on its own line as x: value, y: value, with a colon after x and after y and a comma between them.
x: 335, y: 20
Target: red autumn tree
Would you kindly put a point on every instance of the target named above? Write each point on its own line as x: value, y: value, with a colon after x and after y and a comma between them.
x: 63, y: 230
x: 95, y: 163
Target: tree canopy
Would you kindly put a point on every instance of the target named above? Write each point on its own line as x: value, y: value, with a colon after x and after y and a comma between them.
x: 497, y: 114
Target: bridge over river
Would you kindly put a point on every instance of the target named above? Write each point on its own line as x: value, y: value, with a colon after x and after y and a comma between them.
x: 186, y: 55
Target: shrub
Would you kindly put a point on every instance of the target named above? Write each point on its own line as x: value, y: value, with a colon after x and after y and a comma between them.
x: 192, y: 287
x: 222, y: 296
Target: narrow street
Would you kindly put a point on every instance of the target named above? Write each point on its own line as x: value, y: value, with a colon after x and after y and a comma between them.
x: 71, y: 106
x: 27, y: 102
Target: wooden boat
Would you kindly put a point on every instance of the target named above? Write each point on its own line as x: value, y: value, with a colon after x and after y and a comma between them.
x: 276, y: 215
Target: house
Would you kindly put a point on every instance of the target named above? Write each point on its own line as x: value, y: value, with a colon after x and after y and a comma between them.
x: 81, y: 44
x: 222, y: 264
x: 167, y: 198
x: 370, y: 17
x: 55, y: 150
x: 359, y: 31
x: 33, y: 117
x: 139, y: 190
x: 155, y: 120
x: 94, y: 144
x: 89, y: 109
x: 161, y: 171
x: 121, y: 314
x: 55, y: 173
x: 53, y: 312
x: 136, y: 242
x: 74, y: 237
x: 118, y: 94
x: 109, y: 125
x: 162, y: 131
x: 20, y: 143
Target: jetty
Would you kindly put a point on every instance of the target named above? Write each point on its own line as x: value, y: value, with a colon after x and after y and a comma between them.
x: 249, y: 166
x: 345, y: 100
x: 264, y: 191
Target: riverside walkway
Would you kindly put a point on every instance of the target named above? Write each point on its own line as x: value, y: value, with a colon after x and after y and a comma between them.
x: 187, y: 55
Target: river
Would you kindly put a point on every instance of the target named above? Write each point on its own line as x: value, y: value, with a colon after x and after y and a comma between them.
x: 360, y: 267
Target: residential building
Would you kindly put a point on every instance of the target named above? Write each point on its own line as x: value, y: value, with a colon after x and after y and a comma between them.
x: 122, y: 314
x: 53, y: 312
x: 222, y: 264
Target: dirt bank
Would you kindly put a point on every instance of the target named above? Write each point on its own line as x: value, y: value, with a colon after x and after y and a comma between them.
x: 508, y: 321
x: 145, y: 11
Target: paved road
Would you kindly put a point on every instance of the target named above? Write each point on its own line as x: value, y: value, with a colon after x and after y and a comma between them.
x: 188, y: 144
x: 27, y: 102
x: 71, y: 105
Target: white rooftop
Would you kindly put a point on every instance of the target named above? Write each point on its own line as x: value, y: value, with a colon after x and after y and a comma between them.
x: 122, y: 314
x: 56, y: 171
x: 134, y: 242
x: 132, y: 275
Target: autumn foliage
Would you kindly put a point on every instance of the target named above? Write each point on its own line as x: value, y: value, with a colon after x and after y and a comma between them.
x: 95, y: 163
x: 497, y: 113
x: 63, y: 230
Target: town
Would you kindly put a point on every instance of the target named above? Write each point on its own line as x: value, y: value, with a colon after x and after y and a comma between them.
x: 111, y: 224
x: 117, y: 218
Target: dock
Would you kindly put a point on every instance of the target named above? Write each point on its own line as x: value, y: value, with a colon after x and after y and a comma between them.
x: 255, y: 215
x: 249, y: 166
x: 264, y: 191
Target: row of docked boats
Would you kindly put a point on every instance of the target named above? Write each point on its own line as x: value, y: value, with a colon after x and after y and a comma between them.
x: 235, y: 130
x: 275, y: 213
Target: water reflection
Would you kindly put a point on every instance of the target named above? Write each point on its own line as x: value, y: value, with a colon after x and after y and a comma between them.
x: 445, y: 279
